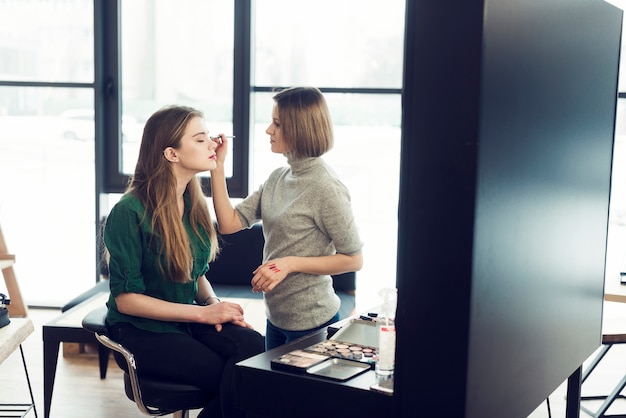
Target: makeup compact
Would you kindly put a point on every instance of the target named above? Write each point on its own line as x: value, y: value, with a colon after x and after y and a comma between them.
x: 298, y: 360
x: 359, y: 331
x: 338, y: 369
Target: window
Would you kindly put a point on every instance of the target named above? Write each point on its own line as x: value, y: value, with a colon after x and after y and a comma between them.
x: 47, y: 170
x: 225, y: 57
x: 170, y: 55
x: 72, y: 114
x: 616, y: 253
x: 174, y: 53
x: 355, y: 55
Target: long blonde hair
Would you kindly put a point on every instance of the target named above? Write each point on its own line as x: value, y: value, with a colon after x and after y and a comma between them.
x: 155, y: 185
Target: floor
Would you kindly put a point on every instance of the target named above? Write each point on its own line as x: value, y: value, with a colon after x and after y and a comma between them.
x: 78, y: 390
x: 601, y: 381
x: 78, y: 387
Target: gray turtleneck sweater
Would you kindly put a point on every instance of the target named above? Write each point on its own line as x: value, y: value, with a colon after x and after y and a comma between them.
x: 306, y: 212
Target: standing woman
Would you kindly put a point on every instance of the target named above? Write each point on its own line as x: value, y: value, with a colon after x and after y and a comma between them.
x: 309, y: 227
x: 160, y: 238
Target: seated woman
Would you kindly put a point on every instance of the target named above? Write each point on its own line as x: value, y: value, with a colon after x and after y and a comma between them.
x: 160, y: 239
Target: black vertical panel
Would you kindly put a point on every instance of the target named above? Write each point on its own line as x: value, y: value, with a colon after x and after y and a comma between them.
x: 436, y: 208
x: 108, y: 97
x: 508, y: 117
x: 549, y: 90
x: 107, y: 110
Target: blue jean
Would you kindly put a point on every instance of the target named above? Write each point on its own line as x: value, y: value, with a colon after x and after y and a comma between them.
x: 275, y: 336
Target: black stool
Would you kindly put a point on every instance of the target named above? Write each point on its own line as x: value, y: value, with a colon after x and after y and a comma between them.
x: 152, y: 397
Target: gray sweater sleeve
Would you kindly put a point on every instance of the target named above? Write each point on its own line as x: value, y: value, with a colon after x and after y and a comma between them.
x: 249, y: 210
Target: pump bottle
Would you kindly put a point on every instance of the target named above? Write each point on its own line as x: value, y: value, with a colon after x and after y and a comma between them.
x: 386, y: 333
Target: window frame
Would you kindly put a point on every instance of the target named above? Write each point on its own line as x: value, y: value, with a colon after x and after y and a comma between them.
x: 108, y: 105
x: 108, y: 98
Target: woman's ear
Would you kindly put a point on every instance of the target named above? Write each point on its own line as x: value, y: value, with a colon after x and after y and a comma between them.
x: 170, y: 155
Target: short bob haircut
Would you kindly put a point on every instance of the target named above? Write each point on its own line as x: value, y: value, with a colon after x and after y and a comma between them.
x: 305, y: 121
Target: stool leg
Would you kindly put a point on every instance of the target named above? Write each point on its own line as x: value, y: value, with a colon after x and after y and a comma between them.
x: 572, y: 406
x: 103, y: 360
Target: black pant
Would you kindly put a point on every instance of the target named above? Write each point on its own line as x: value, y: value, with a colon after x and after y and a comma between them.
x: 204, y: 358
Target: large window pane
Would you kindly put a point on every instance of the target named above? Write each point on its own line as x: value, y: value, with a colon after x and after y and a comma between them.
x: 622, y: 68
x: 616, y: 252
x: 329, y: 43
x: 618, y: 180
x: 341, y: 44
x: 46, y: 41
x: 47, y: 191
x: 175, y: 53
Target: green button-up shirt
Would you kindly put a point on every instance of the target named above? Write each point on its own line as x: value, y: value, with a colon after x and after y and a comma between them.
x: 135, y: 252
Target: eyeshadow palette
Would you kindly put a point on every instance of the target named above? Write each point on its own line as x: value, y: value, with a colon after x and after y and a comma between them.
x: 345, y: 350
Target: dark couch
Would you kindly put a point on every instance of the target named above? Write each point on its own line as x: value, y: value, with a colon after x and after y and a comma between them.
x: 230, y: 276
x: 231, y: 272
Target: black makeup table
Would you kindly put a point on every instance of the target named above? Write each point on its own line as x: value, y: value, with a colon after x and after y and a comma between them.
x: 265, y: 392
